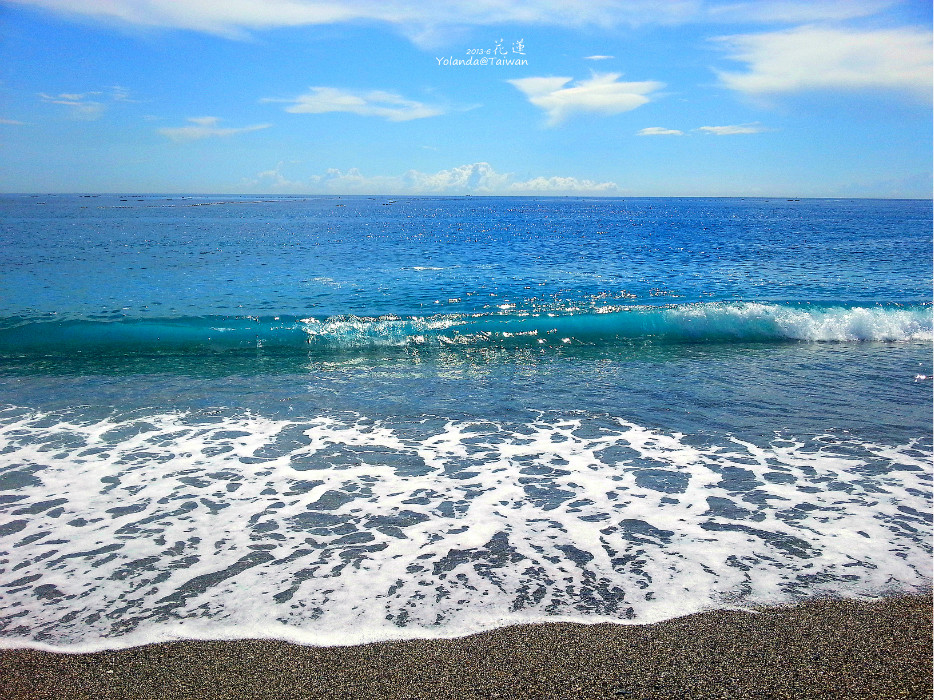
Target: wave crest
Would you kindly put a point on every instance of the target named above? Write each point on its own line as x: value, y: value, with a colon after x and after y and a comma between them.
x: 715, y: 322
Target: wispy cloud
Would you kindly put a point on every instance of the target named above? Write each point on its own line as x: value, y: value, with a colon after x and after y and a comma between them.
x: 817, y: 58
x: 416, y: 18
x: 598, y: 58
x: 236, y: 17
x: 375, y: 103
x: 205, y: 127
x: 659, y: 131
x: 601, y: 94
x: 473, y: 178
x: 12, y: 122
x: 119, y: 93
x: 89, y: 105
x: 80, y: 105
x: 793, y: 11
x: 733, y: 129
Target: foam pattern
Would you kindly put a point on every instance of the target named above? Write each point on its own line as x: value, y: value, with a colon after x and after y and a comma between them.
x: 140, y: 526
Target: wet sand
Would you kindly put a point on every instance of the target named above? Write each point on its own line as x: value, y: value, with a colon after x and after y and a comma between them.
x: 819, y: 649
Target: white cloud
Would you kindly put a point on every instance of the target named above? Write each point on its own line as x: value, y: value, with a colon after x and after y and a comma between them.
x: 12, y: 122
x: 475, y: 178
x: 427, y: 23
x: 598, y: 58
x: 563, y: 185
x: 230, y: 18
x: 815, y: 58
x: 79, y: 104
x: 375, y: 103
x: 205, y: 121
x: 120, y: 94
x: 479, y: 178
x: 205, y: 127
x: 795, y: 11
x: 88, y: 105
x: 601, y: 94
x: 659, y: 131
x: 733, y: 129
x: 416, y: 18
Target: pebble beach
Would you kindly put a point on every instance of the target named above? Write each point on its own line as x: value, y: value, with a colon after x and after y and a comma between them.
x: 817, y: 649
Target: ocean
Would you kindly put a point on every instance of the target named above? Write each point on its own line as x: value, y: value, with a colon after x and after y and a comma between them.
x: 335, y: 420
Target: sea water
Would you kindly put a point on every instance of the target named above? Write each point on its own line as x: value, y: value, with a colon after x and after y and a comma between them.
x: 344, y: 419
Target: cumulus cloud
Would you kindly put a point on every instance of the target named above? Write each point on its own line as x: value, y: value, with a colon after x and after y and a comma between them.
x: 733, y: 129
x: 563, y: 185
x: 659, y: 131
x: 475, y: 178
x: 478, y: 178
x: 817, y: 58
x: 205, y: 127
x: 601, y: 94
x: 375, y: 103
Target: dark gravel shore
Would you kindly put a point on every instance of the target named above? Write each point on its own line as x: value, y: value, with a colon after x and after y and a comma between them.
x: 820, y: 649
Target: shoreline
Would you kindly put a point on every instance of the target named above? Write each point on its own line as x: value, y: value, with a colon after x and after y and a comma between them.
x: 816, y: 649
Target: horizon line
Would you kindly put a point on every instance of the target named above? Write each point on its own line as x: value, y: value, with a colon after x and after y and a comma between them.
x: 293, y: 195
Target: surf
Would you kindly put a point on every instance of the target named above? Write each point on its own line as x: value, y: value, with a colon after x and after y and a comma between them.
x: 342, y: 528
x: 703, y: 323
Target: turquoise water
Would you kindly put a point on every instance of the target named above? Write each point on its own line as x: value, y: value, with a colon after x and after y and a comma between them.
x: 342, y: 419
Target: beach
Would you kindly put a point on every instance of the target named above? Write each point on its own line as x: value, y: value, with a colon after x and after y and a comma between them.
x: 338, y: 423
x: 508, y: 349
x: 818, y: 649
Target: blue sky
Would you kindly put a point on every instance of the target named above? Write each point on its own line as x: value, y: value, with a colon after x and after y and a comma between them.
x: 606, y: 97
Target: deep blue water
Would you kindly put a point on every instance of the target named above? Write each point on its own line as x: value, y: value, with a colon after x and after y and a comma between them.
x: 286, y: 416
x: 103, y: 257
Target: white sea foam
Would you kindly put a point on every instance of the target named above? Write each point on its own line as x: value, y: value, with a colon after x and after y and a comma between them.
x: 704, y: 322
x: 828, y: 324
x: 339, y: 529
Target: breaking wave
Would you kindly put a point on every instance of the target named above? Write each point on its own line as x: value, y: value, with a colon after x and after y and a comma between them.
x: 686, y: 323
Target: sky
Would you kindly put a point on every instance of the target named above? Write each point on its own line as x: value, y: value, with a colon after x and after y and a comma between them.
x: 796, y: 98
